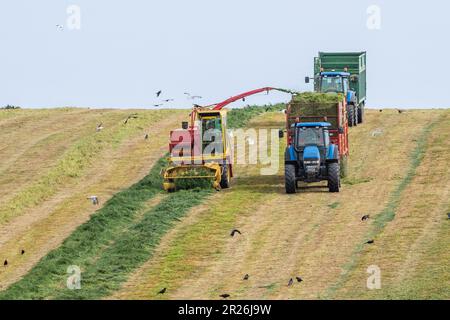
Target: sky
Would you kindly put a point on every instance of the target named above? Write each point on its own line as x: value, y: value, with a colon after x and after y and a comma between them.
x: 125, y: 51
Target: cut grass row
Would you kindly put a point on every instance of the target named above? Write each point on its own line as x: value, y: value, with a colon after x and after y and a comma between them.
x: 112, y: 244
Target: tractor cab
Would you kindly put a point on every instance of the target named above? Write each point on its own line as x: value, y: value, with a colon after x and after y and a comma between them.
x: 335, y: 82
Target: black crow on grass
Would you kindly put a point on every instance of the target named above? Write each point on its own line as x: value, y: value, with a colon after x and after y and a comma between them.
x: 234, y: 232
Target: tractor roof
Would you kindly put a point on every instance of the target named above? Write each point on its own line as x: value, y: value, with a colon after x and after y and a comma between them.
x: 335, y: 74
x: 313, y: 124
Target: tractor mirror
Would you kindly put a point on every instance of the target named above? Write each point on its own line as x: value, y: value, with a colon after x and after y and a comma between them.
x: 184, y: 125
x: 306, y: 79
x: 341, y: 130
x: 280, y: 134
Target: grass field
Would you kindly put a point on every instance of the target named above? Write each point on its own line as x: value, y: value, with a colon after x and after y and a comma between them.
x: 140, y: 239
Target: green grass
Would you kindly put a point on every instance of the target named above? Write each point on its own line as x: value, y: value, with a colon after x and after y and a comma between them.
x: 388, y: 213
x: 334, y: 205
x: 111, y: 244
x: 238, y: 118
x: 354, y: 181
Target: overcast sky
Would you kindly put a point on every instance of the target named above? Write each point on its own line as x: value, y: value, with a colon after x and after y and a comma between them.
x: 125, y: 51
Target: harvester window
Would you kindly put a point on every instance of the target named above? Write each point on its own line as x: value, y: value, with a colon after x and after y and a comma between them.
x: 211, y: 124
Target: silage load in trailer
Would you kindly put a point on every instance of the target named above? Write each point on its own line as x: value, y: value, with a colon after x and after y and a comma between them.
x: 315, y: 107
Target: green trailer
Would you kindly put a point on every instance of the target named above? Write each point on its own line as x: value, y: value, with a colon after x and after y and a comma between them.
x: 343, y: 72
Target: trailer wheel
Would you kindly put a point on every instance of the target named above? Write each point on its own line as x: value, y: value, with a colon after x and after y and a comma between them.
x: 225, y: 177
x: 289, y: 178
x: 334, y: 181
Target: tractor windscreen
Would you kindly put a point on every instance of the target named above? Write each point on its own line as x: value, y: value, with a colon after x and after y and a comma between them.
x: 331, y: 84
x: 310, y: 136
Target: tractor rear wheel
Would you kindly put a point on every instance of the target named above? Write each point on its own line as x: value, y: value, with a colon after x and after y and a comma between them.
x: 289, y: 178
x: 225, y: 177
x: 350, y: 115
x: 361, y: 113
x: 334, y: 181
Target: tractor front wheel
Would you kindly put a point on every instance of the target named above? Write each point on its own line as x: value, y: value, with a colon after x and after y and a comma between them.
x: 225, y: 177
x: 289, y: 178
x: 334, y: 181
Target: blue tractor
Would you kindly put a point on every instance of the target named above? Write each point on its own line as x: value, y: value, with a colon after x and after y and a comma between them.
x: 311, y: 157
x: 338, y: 82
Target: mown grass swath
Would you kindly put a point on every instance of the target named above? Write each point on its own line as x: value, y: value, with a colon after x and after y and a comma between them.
x: 115, y: 241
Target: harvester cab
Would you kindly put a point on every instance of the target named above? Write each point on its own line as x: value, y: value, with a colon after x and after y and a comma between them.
x: 312, y: 157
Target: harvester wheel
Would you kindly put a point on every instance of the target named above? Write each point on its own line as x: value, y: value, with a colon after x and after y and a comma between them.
x: 289, y: 178
x: 225, y: 177
x: 334, y: 181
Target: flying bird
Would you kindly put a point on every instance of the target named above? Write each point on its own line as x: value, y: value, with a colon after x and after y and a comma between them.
x: 131, y: 116
x: 370, y: 241
x: 158, y: 93
x: 225, y: 295
x: 162, y: 291
x: 99, y: 127
x: 365, y: 217
x: 94, y: 199
x: 299, y: 279
x: 168, y: 100
x: 291, y: 282
x: 60, y: 27
x: 246, y: 277
x: 234, y: 231
x: 196, y: 97
x: 158, y: 105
